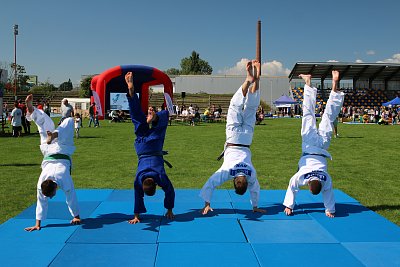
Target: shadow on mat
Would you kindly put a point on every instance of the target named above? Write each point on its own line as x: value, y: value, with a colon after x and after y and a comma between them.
x: 342, y: 209
x: 153, y: 221
x: 55, y: 225
x: 271, y: 209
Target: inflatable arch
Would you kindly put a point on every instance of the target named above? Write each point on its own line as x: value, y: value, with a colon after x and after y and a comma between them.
x: 113, y: 80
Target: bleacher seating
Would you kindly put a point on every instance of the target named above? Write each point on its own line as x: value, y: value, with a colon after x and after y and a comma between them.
x: 368, y: 98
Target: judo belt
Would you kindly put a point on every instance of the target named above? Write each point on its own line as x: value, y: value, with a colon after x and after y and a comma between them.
x: 59, y: 156
x: 312, y: 154
x: 230, y: 144
x: 159, y: 154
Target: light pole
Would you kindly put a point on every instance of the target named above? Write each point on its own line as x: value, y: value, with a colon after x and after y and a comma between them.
x: 15, y: 60
x: 270, y: 82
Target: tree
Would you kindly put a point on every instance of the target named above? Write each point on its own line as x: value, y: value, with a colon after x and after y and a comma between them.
x: 66, y: 86
x: 21, y: 78
x: 195, y: 65
x: 172, y: 71
x: 43, y: 88
x: 85, y: 87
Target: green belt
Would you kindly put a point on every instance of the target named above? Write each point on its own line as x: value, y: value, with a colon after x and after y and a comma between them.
x: 59, y: 156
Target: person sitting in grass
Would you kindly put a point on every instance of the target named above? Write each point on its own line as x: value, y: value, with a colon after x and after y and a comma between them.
x: 240, y: 124
x: 313, y: 168
x: 150, y: 134
x: 57, y: 147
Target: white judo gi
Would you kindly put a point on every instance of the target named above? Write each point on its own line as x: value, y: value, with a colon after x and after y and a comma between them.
x: 57, y: 170
x: 240, y: 123
x: 315, y: 142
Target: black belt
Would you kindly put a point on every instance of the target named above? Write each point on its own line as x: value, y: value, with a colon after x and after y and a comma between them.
x: 312, y: 154
x: 157, y: 154
x: 230, y: 144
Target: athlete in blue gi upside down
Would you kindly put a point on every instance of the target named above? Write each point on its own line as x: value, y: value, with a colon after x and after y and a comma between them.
x: 150, y: 134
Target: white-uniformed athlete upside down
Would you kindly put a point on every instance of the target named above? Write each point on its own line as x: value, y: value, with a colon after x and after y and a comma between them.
x: 57, y: 147
x: 240, y: 123
x: 313, y: 169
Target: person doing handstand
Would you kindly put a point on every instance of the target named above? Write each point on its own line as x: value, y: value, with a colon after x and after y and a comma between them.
x: 240, y: 123
x: 313, y: 168
x: 150, y: 134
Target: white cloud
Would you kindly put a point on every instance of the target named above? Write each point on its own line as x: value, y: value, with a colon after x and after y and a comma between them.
x: 273, y: 68
x: 332, y: 60
x: 370, y: 52
x: 395, y: 59
x: 359, y: 61
x: 238, y: 69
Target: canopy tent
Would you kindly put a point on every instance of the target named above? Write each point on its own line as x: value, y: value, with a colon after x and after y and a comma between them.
x: 284, y: 102
x: 393, y: 102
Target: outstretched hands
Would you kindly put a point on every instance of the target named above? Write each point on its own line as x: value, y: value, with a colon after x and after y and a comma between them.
x: 76, y: 220
x: 206, y: 208
x: 136, y: 218
x: 170, y: 215
x: 288, y: 211
x: 32, y: 228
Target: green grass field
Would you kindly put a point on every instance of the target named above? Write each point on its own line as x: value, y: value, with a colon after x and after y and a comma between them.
x: 365, y: 161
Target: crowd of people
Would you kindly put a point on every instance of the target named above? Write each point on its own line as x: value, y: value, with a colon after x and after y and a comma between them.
x: 193, y: 114
x: 16, y: 115
x: 380, y: 115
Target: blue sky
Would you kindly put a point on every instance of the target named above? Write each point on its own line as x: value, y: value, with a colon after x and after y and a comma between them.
x: 61, y: 40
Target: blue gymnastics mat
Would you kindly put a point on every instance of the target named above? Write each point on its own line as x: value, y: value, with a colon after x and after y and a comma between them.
x: 231, y: 235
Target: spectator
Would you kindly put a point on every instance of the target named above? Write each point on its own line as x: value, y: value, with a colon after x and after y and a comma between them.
x: 16, y: 115
x: 96, y: 120
x: 25, y: 123
x: 114, y: 116
x: 77, y: 124
x: 47, y: 108
x: 91, y: 113
x: 259, y: 115
x: 67, y: 110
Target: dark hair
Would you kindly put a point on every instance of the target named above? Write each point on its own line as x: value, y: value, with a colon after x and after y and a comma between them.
x: 240, y: 184
x: 48, y: 188
x: 315, y: 186
x: 149, y: 186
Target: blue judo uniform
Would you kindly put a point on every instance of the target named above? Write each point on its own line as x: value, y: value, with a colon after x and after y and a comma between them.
x: 148, y: 145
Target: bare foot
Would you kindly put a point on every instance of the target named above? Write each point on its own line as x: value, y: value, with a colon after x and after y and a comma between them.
x: 249, y: 71
x: 257, y: 69
x: 335, y: 75
x: 335, y: 80
x: 50, y: 137
x: 129, y: 82
x: 306, y: 78
x: 29, y: 105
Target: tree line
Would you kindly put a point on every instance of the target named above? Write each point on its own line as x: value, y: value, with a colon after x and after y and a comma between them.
x: 192, y: 65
